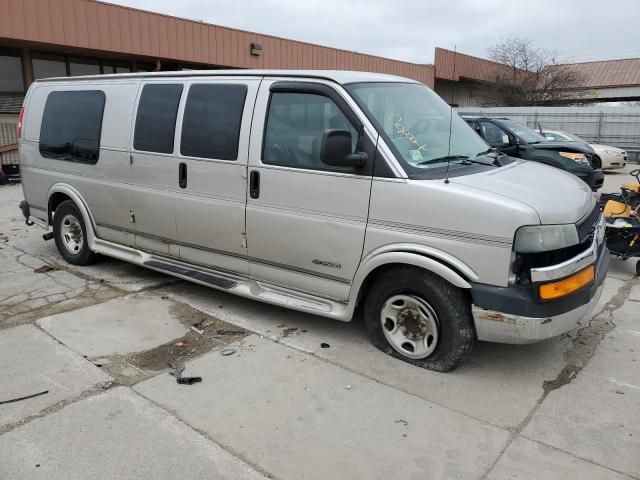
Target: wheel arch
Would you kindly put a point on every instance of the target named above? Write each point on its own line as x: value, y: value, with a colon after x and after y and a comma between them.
x: 440, y: 263
x: 60, y: 192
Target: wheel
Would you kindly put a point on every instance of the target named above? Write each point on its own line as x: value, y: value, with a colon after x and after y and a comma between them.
x: 596, y: 162
x: 638, y: 268
x: 71, y: 234
x: 418, y: 317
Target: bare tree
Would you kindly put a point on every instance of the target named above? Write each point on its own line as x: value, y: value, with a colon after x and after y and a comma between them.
x: 530, y: 75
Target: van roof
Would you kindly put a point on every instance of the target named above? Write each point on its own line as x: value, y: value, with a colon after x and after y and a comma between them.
x: 338, y: 76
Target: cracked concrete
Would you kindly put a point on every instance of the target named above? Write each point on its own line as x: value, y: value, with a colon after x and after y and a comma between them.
x: 282, y: 405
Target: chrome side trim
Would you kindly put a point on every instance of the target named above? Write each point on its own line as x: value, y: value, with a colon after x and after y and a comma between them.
x: 467, y: 237
x: 573, y: 265
x: 232, y: 254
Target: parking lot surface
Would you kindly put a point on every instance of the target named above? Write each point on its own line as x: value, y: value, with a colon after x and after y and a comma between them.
x: 288, y: 395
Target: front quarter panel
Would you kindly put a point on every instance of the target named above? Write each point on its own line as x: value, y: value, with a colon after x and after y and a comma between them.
x: 473, y: 227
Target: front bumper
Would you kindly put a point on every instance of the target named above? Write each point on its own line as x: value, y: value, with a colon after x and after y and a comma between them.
x: 513, y: 315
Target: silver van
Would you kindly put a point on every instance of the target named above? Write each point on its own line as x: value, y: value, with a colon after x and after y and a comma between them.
x: 326, y: 192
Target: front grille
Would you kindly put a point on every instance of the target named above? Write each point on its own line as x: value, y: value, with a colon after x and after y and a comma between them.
x: 587, y: 225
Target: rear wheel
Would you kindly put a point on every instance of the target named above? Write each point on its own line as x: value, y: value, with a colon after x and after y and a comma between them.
x: 71, y: 234
x: 418, y: 317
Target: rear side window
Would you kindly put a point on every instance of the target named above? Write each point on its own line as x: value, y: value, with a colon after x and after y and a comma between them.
x: 72, y: 125
x: 156, y: 118
x: 211, y: 122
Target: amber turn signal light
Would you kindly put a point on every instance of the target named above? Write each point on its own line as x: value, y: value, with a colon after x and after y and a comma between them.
x: 561, y: 288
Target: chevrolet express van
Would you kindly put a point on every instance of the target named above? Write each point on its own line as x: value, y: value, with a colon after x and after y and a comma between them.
x: 323, y: 192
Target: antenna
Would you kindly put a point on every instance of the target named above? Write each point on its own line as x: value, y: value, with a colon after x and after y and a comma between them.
x: 455, y: 56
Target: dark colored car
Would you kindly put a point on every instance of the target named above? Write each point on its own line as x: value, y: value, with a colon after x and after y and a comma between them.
x: 518, y: 140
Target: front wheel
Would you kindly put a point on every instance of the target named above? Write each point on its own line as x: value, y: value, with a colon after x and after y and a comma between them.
x: 418, y: 317
x: 596, y: 162
x: 70, y: 234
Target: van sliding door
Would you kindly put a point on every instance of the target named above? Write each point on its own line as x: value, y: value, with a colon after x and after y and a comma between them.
x: 215, y: 120
x: 153, y: 168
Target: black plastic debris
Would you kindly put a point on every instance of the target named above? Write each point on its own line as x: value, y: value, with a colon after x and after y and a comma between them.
x: 176, y: 371
x: 26, y: 397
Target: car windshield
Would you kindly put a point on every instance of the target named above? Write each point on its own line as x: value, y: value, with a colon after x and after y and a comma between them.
x: 523, y: 132
x: 417, y: 122
x: 574, y: 138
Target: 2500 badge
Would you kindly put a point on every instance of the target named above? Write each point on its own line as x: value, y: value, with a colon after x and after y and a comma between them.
x: 327, y: 264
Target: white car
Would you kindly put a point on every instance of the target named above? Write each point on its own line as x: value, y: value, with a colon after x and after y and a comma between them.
x: 611, y: 157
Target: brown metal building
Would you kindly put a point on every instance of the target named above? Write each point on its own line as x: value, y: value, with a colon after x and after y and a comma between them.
x: 52, y: 38
x: 44, y: 38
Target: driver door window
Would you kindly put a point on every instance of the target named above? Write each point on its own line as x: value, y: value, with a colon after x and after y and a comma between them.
x: 494, y: 135
x: 295, y: 125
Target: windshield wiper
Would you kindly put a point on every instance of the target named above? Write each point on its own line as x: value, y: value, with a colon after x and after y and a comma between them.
x: 442, y: 159
x: 468, y: 161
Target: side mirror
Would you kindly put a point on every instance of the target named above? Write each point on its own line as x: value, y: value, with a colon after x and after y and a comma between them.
x: 335, y: 150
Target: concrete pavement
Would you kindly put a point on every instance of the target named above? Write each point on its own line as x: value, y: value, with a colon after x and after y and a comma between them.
x: 280, y: 405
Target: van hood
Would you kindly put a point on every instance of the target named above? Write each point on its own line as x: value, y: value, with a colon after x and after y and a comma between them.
x: 557, y: 196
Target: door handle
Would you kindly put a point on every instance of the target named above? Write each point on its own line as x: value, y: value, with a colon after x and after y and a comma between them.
x: 182, y: 175
x: 254, y: 184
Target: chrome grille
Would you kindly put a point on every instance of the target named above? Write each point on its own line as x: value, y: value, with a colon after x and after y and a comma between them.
x: 587, y: 225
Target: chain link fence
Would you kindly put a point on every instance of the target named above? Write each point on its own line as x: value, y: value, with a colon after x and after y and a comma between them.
x: 615, y: 126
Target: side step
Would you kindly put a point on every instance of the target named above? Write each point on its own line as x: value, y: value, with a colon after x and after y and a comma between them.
x: 207, y: 278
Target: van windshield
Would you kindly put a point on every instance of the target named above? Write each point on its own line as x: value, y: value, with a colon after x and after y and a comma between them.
x: 416, y: 123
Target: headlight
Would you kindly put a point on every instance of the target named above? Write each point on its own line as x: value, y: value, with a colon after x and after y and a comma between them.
x: 576, y: 157
x: 613, y: 152
x: 543, y: 238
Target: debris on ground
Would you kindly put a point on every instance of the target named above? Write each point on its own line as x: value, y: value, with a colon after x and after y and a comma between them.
x: 26, y: 397
x: 227, y: 351
x: 307, y: 387
x: 324, y: 345
x: 45, y: 269
x: 230, y: 332
x: 177, y: 369
x: 180, y: 344
x: 348, y: 387
x: 106, y: 385
x: 199, y: 332
x: 288, y: 331
x: 402, y: 421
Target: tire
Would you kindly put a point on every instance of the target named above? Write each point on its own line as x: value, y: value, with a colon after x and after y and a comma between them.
x: 638, y: 268
x: 596, y: 162
x: 70, y: 234
x: 431, y: 314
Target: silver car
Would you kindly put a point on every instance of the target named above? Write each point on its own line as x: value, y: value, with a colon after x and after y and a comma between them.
x: 318, y: 191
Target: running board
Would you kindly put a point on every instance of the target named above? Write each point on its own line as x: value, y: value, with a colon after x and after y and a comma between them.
x: 197, y: 275
x: 238, y: 285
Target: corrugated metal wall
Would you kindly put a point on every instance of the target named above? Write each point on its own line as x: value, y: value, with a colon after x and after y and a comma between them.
x: 616, y: 126
x: 8, y: 136
x: 96, y: 26
x: 463, y: 93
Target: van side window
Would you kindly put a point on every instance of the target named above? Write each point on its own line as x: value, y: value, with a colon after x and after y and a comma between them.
x: 295, y: 125
x: 72, y: 125
x: 156, y: 118
x: 211, y: 123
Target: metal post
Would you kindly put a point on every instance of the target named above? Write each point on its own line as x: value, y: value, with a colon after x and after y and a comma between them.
x: 600, y: 119
x: 27, y: 68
